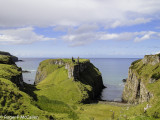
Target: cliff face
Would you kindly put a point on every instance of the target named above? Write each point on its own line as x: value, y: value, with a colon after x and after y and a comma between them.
x: 84, y: 75
x: 135, y: 91
x: 141, y: 74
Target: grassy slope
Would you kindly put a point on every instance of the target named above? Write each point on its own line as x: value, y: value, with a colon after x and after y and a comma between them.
x: 13, y: 101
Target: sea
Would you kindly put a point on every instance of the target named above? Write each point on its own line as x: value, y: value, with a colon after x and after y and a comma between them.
x: 113, y: 70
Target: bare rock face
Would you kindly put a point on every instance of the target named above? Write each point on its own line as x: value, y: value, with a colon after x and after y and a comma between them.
x: 74, y: 71
x: 135, y: 91
x: 151, y: 59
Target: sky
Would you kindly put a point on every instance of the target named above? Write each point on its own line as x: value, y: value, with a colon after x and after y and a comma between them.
x: 84, y: 28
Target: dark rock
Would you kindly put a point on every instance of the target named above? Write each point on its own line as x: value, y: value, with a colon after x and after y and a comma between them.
x: 14, y: 58
x: 20, y: 61
x: 25, y: 71
x: 124, y: 80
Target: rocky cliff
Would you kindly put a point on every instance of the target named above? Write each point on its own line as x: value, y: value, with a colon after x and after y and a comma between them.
x: 135, y: 91
x: 14, y: 58
x: 84, y: 75
x: 74, y: 70
x: 142, y: 73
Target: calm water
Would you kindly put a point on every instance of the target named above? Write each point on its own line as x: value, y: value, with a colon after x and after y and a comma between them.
x: 113, y: 71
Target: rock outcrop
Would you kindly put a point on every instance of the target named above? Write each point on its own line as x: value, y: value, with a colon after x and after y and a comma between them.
x: 135, y: 91
x: 84, y: 72
x: 74, y: 71
x: 151, y: 59
x: 141, y: 73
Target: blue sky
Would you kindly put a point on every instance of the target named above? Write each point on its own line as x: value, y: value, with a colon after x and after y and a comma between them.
x: 85, y: 28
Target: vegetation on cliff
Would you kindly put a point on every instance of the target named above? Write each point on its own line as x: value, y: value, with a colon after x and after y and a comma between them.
x: 14, y: 58
x: 76, y: 82
x: 143, y: 85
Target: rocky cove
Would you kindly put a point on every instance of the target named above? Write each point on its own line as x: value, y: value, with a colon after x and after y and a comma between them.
x: 61, y: 86
x: 134, y: 92
x: 113, y: 71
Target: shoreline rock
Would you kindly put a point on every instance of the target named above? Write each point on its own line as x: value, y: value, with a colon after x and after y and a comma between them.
x: 26, y: 71
x: 124, y: 80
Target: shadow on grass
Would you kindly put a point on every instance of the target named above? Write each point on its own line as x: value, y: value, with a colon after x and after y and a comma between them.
x: 29, y: 89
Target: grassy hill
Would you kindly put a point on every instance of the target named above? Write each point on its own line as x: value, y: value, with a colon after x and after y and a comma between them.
x: 13, y: 98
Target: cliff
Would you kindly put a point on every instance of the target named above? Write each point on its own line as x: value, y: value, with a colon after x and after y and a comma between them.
x: 14, y: 58
x: 10, y: 71
x: 82, y: 81
x: 141, y: 76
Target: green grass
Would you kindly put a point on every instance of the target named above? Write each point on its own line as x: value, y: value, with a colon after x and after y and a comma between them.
x: 8, y: 71
x: 5, y: 59
x: 58, y: 81
x: 15, y: 102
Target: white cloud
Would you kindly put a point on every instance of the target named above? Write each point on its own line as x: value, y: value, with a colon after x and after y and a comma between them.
x: 80, y: 19
x: 130, y: 22
x: 146, y: 36
x: 84, y: 35
x: 14, y: 13
x: 21, y: 36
